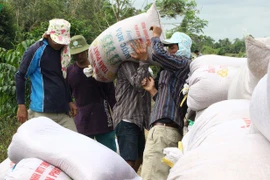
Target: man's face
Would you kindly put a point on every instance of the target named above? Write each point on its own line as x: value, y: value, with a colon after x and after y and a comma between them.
x: 81, y: 57
x: 55, y: 45
x: 172, y: 48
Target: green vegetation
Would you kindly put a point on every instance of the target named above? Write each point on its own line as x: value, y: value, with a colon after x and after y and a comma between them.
x: 22, y: 22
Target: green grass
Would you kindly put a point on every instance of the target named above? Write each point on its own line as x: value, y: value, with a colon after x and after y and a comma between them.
x: 8, y: 127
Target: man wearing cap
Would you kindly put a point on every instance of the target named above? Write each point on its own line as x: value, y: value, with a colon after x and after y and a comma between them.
x: 93, y: 99
x: 45, y: 64
x: 167, y: 118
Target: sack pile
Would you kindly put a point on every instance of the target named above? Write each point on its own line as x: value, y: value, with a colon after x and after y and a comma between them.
x: 231, y: 138
x: 210, y: 77
x: 80, y: 157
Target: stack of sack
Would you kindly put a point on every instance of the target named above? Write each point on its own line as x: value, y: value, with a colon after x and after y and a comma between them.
x: 5, y: 168
x: 33, y: 168
x: 78, y: 156
x: 231, y: 139
x: 215, y: 78
x: 112, y: 46
x: 210, y: 76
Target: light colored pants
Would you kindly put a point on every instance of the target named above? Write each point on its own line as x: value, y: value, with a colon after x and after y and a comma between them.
x: 159, y: 137
x: 60, y: 118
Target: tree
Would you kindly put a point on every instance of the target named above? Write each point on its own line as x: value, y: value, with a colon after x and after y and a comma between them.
x: 7, y: 28
x: 191, y: 23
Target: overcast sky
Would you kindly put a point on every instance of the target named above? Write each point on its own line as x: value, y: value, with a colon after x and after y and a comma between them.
x: 229, y: 18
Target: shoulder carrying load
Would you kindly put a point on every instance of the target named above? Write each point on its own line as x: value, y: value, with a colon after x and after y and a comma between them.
x: 112, y: 46
x: 80, y: 157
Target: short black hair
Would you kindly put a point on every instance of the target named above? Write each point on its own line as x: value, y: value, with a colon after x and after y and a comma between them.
x: 196, y: 51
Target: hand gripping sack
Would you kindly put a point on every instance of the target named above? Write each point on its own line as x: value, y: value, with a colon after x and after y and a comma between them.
x: 112, y: 46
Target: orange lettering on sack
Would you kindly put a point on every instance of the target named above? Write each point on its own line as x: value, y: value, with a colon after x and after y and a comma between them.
x: 103, y: 67
x: 211, y: 69
x: 96, y: 51
x: 35, y: 176
x: 145, y: 32
x: 49, y: 178
x: 248, y: 123
x: 42, y: 167
x: 55, y: 172
x: 137, y: 31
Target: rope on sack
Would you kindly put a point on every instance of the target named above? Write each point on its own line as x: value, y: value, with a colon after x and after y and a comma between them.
x: 184, y: 91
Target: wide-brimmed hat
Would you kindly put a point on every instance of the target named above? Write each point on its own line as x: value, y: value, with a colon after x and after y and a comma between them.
x: 183, y: 41
x: 59, y: 31
x: 78, y: 44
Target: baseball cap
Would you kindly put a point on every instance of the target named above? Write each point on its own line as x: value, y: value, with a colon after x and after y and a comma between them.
x: 78, y: 44
x: 183, y: 41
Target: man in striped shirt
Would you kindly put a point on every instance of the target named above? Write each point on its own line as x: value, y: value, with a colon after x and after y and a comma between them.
x: 131, y: 113
x: 167, y: 118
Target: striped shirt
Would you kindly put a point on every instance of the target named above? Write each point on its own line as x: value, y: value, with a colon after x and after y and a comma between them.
x: 133, y: 103
x: 170, y: 84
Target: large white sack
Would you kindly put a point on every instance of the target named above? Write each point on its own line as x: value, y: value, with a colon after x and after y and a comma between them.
x: 260, y: 106
x: 216, y: 60
x: 33, y: 168
x: 258, y: 55
x: 209, y: 126
x: 243, y: 84
x: 112, y: 46
x: 5, y: 168
x: 247, y: 158
x: 209, y: 80
x: 77, y: 155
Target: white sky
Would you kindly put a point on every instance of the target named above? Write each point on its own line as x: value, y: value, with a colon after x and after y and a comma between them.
x: 229, y: 18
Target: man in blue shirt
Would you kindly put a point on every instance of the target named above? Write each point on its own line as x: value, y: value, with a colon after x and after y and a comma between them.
x: 45, y: 63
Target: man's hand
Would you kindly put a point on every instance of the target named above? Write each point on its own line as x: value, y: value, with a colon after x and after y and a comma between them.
x: 156, y: 31
x: 73, y: 109
x: 140, y: 49
x: 22, y: 114
x: 149, y: 85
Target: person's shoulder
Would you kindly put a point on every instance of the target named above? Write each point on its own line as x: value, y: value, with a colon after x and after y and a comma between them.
x: 34, y: 47
x: 71, y: 67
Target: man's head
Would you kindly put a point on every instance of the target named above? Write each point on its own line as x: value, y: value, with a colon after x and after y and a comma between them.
x: 58, y: 33
x: 197, y: 52
x: 179, y: 44
x: 78, y: 48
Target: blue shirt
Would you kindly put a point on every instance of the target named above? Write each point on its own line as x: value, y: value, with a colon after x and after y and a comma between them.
x: 49, y: 92
x: 170, y: 84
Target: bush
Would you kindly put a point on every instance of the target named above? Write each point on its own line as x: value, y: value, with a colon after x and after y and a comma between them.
x: 8, y: 127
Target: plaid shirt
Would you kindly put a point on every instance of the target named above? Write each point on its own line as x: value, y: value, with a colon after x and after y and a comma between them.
x: 133, y: 103
x: 170, y: 84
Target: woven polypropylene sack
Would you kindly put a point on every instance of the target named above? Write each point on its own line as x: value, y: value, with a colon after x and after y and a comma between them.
x: 112, y: 46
